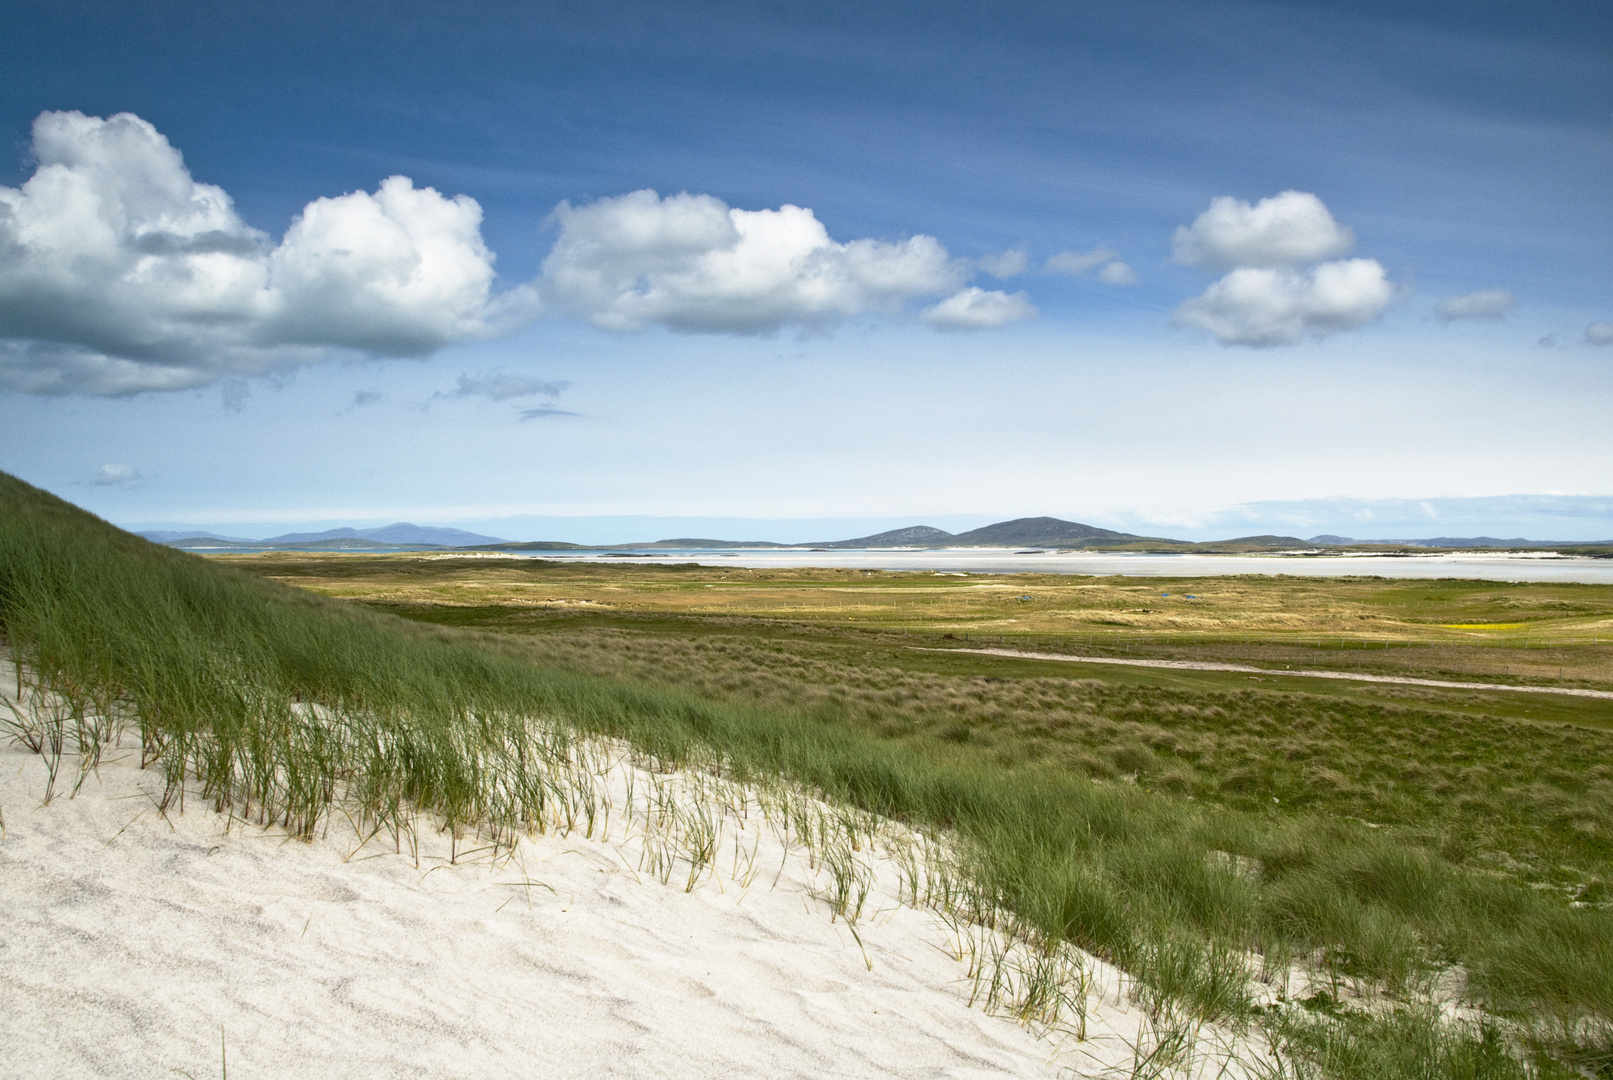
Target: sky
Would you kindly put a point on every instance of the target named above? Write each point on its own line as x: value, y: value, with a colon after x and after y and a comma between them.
x: 618, y: 271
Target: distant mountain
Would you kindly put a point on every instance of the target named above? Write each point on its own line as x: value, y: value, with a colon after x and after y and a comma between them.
x: 674, y: 544
x: 1035, y: 532
x: 1021, y: 532
x: 912, y: 536
x: 401, y: 532
x: 405, y: 533
x: 343, y: 543
x: 697, y: 542
x: 168, y: 536
x: 532, y: 545
x: 1046, y: 532
x: 309, y: 538
x: 1263, y: 541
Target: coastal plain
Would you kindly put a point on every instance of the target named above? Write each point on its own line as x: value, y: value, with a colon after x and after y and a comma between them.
x: 1556, y: 633
x: 1516, y: 782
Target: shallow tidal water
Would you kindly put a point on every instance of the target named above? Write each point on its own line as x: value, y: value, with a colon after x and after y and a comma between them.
x: 1480, y: 566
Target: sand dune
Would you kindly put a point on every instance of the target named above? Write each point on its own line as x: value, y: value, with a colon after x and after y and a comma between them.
x: 144, y: 944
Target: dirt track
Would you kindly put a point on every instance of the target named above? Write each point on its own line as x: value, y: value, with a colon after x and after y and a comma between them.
x: 1198, y: 665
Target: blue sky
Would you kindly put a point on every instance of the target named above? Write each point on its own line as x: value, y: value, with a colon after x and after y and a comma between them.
x: 1194, y: 269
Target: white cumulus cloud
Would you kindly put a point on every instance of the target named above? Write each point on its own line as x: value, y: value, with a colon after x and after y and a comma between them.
x: 1484, y: 305
x: 1599, y: 333
x: 1279, y: 290
x: 401, y: 272
x: 1290, y: 229
x: 693, y: 264
x: 120, y: 273
x: 1265, y: 306
x: 975, y: 308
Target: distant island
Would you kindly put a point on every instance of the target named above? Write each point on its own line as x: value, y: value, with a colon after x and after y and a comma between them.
x: 1041, y: 533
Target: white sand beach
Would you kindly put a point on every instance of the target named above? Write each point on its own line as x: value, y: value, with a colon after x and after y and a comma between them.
x: 149, y: 944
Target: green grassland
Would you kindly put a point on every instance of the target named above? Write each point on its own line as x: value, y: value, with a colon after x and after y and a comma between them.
x: 1183, y: 824
x: 1513, y: 783
x: 1500, y: 785
x: 1561, y: 633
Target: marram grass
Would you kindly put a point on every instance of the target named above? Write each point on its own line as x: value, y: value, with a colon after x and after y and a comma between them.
x: 282, y: 705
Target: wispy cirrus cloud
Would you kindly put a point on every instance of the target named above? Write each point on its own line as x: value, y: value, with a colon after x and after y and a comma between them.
x: 1007, y: 264
x: 543, y: 412
x: 1101, y: 263
x: 499, y: 386
x: 1486, y: 305
x: 123, y: 476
